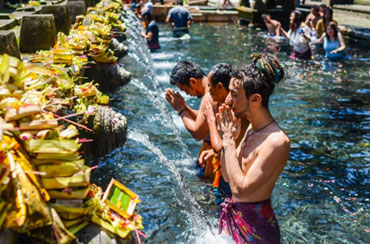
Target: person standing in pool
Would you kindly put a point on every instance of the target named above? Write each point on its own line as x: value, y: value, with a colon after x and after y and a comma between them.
x: 219, y: 80
x: 179, y: 18
x: 324, y: 21
x: 253, y: 168
x: 273, y: 26
x: 190, y: 78
x: 151, y: 33
x: 333, y: 41
x: 299, y: 36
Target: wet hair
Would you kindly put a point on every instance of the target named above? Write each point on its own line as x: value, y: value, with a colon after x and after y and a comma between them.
x: 183, y: 71
x: 221, y: 73
x: 330, y: 11
x: 335, y: 29
x: 148, y: 15
x: 323, y: 5
x: 297, y: 20
x: 260, y: 76
x: 315, y: 8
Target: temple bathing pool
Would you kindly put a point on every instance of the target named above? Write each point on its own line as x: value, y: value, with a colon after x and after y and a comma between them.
x: 322, y: 195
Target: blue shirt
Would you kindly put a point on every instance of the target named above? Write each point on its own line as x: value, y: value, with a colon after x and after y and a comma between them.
x: 180, y: 16
x: 330, y: 46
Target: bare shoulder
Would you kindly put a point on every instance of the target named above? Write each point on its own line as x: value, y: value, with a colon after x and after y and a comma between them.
x: 278, y: 139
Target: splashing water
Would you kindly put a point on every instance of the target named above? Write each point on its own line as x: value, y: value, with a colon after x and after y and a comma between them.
x: 323, y: 193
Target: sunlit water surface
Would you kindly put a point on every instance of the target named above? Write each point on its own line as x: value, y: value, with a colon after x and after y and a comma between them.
x: 322, y: 195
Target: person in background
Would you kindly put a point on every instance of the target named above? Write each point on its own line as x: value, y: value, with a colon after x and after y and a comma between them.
x: 253, y: 168
x: 151, y: 33
x: 322, y: 8
x: 313, y: 17
x: 299, y: 36
x: 137, y: 11
x: 147, y: 6
x: 334, y: 45
x: 324, y: 21
x: 273, y: 26
x: 133, y: 4
x: 179, y: 18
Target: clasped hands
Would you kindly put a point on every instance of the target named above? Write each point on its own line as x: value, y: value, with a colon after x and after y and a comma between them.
x: 228, y: 125
x: 176, y: 101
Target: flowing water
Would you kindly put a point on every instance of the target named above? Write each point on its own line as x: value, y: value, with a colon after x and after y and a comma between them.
x: 322, y: 195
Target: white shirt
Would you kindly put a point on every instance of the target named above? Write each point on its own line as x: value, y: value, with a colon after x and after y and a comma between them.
x: 299, y: 43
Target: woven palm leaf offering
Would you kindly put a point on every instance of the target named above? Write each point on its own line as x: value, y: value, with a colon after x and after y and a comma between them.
x: 45, y: 189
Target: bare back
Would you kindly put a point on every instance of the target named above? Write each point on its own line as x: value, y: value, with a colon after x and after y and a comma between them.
x: 262, y: 157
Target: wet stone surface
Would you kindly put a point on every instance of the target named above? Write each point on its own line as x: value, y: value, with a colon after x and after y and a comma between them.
x: 9, y: 43
x: 61, y: 16
x: 37, y: 32
x: 108, y: 76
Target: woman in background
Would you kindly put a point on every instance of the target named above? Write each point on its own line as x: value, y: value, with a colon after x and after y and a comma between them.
x: 332, y: 39
x: 298, y: 36
x: 326, y: 19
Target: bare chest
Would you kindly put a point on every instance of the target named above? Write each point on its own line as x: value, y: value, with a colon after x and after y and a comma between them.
x: 248, y: 153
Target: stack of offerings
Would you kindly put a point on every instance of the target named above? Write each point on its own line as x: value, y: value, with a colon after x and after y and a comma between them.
x: 89, y: 37
x: 44, y: 182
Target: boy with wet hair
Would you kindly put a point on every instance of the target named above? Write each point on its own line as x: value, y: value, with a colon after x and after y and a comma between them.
x: 253, y: 167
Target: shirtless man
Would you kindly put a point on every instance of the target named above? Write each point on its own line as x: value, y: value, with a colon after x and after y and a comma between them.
x: 213, y: 89
x: 189, y: 78
x: 253, y: 167
x: 313, y: 17
x: 273, y: 26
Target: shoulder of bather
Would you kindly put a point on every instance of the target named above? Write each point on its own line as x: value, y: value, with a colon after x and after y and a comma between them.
x: 278, y: 139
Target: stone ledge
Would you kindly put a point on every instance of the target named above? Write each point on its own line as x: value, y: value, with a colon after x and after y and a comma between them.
x: 353, y: 7
x: 7, y: 24
x: 9, y: 44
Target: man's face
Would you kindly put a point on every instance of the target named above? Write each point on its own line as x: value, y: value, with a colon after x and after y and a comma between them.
x: 190, y: 89
x: 237, y: 98
x: 215, y: 92
x: 212, y: 88
x: 267, y: 19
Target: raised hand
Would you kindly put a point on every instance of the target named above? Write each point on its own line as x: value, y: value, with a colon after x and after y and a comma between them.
x: 176, y: 101
x: 209, y: 113
x: 228, y: 125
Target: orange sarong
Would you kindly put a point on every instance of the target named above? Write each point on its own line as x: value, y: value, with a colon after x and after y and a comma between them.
x: 212, y: 165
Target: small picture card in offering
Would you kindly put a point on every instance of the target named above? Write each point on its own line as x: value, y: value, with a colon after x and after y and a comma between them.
x: 120, y: 199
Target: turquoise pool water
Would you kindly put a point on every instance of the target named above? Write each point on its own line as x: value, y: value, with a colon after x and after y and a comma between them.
x: 322, y: 195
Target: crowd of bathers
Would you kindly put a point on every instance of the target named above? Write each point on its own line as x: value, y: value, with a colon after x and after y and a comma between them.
x: 319, y: 27
x: 179, y: 18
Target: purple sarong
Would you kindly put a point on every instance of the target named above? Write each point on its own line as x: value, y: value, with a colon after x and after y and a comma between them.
x: 249, y: 222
